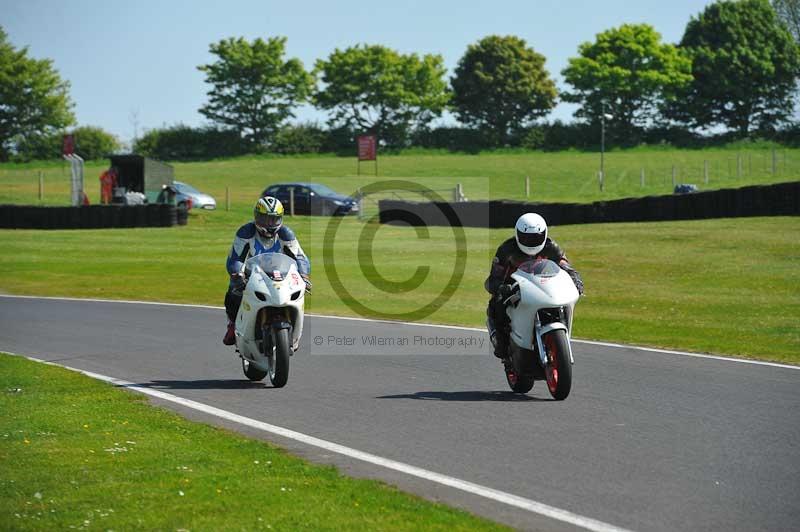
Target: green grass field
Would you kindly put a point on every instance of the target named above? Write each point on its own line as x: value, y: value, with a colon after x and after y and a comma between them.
x: 723, y: 286
x: 79, y: 454
x: 670, y: 284
x: 559, y: 176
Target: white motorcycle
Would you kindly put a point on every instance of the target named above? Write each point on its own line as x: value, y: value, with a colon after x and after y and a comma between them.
x: 270, y: 319
x: 540, y: 307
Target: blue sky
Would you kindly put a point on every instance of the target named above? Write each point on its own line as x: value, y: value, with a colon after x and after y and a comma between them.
x: 135, y: 62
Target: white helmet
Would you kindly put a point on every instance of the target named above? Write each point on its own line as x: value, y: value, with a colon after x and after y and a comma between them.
x: 531, y: 233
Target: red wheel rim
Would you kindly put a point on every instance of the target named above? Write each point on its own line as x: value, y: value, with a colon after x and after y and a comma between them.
x: 512, y: 378
x: 552, y: 365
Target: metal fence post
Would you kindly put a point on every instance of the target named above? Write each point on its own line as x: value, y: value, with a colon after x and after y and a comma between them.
x: 527, y: 186
x: 705, y: 171
x: 738, y: 165
x: 227, y: 198
x: 641, y: 177
x: 41, y: 186
x: 673, y: 176
x: 291, y: 201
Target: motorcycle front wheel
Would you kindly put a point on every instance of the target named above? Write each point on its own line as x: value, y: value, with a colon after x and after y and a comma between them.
x: 559, y: 369
x: 279, y: 358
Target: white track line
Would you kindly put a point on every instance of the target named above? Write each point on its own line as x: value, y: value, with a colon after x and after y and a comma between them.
x: 462, y: 485
x: 455, y: 327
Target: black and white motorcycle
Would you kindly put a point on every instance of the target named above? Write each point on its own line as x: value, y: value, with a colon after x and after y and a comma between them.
x: 540, y: 308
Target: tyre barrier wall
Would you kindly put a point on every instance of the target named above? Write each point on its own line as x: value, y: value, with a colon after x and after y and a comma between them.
x: 782, y: 199
x: 91, y: 216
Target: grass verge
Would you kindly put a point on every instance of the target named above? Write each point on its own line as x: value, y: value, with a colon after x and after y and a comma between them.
x: 567, y: 176
x: 726, y: 286
x: 80, y: 454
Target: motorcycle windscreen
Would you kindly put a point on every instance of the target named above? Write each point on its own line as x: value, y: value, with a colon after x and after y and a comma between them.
x: 270, y: 263
x: 540, y: 268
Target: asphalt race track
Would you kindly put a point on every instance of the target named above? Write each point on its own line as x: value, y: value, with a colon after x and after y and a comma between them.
x: 646, y: 440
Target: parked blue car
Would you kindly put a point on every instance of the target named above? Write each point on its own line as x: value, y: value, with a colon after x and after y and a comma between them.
x: 312, y: 198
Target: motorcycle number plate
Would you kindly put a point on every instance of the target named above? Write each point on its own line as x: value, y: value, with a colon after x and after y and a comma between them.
x: 276, y: 274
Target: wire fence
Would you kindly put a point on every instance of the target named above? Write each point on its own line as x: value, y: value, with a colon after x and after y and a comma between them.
x: 576, y: 177
x: 720, y: 169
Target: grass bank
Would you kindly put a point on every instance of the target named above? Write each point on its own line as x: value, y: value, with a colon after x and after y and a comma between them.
x: 555, y: 176
x: 79, y: 454
x: 725, y: 286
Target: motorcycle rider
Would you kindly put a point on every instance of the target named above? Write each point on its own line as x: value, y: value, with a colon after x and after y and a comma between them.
x: 265, y: 234
x: 530, y: 241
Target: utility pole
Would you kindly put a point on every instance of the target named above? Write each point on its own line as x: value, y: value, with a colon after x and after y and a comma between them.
x: 603, y: 117
x: 602, y: 143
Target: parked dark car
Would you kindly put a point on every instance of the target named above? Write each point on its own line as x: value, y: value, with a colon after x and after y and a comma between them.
x: 313, y: 198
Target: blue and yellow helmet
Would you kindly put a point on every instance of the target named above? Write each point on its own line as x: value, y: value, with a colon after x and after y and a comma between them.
x: 268, y: 216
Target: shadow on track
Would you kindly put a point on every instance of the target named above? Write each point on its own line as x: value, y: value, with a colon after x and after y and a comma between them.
x: 465, y: 396
x: 205, y: 385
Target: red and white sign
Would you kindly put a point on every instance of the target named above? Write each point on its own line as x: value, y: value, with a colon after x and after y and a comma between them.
x: 68, y: 146
x: 367, y: 147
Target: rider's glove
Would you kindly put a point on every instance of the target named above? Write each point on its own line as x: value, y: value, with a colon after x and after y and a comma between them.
x: 308, y: 282
x: 576, y: 278
x: 238, y: 282
x: 504, y: 292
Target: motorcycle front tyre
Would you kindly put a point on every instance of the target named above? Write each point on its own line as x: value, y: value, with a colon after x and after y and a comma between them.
x: 559, y: 369
x: 279, y: 370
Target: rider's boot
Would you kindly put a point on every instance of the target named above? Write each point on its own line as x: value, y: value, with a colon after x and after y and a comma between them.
x: 497, y: 340
x: 500, y: 344
x: 230, y: 334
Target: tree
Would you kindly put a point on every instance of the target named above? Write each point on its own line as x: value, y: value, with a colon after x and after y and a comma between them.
x: 500, y: 85
x: 34, y: 100
x: 90, y: 143
x: 182, y: 142
x: 300, y: 138
x: 626, y: 73
x: 745, y: 66
x: 373, y: 88
x: 789, y: 13
x: 253, y: 89
x: 94, y: 142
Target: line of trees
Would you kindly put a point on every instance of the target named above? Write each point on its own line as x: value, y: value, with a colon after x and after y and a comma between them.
x: 736, y: 70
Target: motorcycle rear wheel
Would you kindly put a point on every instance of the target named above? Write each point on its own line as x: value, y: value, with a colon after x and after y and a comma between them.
x: 518, y: 383
x: 252, y: 372
x: 559, y: 368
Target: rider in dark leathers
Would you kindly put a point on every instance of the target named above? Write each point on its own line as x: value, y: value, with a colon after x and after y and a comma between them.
x: 530, y: 241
